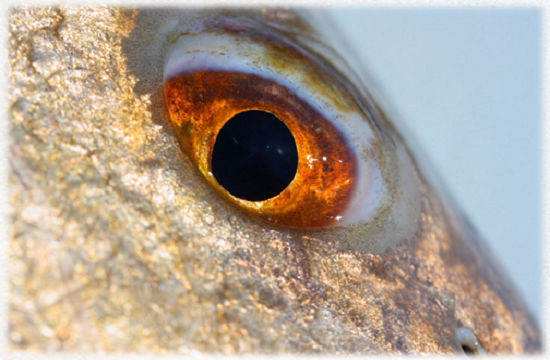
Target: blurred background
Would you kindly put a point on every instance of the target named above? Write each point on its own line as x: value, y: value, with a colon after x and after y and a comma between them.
x: 466, y: 83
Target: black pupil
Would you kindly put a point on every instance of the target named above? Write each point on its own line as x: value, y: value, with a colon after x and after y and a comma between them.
x: 255, y: 156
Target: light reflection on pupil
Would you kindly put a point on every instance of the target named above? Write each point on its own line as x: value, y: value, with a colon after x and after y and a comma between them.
x: 255, y: 156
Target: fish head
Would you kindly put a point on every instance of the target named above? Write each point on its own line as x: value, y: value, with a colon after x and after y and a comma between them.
x: 123, y: 241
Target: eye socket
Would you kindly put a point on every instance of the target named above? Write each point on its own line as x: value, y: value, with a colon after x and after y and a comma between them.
x: 221, y: 87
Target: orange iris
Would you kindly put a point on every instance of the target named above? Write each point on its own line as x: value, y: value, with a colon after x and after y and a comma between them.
x: 200, y: 103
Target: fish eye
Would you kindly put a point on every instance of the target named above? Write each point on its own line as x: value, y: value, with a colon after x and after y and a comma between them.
x: 273, y: 128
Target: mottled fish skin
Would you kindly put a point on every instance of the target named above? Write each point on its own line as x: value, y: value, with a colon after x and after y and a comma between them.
x: 119, y: 245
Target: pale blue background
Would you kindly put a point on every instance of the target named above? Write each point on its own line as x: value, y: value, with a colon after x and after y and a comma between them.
x: 467, y: 82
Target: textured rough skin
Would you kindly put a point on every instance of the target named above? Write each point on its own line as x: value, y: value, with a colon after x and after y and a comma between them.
x: 118, y: 244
